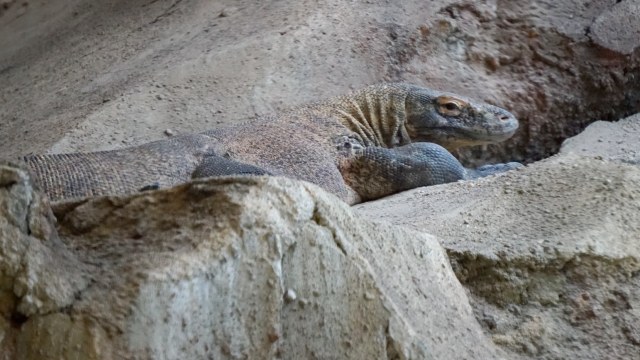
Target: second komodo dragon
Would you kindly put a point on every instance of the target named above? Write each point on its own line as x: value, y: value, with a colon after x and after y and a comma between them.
x: 373, y: 142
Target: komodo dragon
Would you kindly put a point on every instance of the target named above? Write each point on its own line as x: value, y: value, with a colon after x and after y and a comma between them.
x: 373, y: 142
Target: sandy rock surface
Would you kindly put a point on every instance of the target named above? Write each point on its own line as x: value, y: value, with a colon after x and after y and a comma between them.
x: 227, y: 268
x: 618, y: 141
x: 81, y: 75
x: 617, y: 28
x: 549, y: 253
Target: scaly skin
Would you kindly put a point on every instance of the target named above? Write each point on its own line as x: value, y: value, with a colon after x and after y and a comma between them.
x: 338, y: 144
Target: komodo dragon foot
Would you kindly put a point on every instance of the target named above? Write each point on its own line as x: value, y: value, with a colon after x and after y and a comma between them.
x: 214, y: 165
x: 374, y: 172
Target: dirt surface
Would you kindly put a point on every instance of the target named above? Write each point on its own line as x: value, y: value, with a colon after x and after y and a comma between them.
x: 81, y: 75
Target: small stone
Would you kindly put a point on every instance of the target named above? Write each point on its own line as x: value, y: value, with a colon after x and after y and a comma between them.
x: 273, y: 336
x: 489, y: 321
x: 290, y: 295
x: 227, y: 12
x: 512, y: 308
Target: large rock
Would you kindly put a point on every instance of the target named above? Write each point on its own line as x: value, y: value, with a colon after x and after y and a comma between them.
x: 227, y: 268
x: 550, y: 253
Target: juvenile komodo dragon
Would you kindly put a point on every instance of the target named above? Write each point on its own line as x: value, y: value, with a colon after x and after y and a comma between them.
x: 373, y: 142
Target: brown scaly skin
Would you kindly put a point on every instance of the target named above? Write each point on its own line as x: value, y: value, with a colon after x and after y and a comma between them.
x: 350, y: 145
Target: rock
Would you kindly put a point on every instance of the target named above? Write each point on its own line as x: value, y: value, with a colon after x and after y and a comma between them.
x: 223, y: 268
x: 615, y: 141
x: 618, y: 28
x: 37, y: 274
x: 549, y: 253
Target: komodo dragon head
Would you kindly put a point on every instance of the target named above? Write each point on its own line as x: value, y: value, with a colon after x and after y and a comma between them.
x: 453, y: 121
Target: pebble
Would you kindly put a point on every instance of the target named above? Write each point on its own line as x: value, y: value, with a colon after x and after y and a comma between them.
x: 290, y: 295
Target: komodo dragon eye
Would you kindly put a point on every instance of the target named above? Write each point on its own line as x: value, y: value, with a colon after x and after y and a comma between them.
x: 450, y: 106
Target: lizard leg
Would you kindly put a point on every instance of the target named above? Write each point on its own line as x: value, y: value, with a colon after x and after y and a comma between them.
x: 374, y: 172
x: 214, y: 165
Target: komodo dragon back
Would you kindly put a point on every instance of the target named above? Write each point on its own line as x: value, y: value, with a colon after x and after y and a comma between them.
x: 373, y: 142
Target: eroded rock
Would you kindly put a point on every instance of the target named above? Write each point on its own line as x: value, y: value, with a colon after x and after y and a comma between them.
x: 550, y: 253
x: 616, y: 141
x: 226, y: 268
x: 618, y: 28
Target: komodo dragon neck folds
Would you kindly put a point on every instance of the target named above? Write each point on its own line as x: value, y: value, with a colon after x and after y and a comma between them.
x: 373, y: 142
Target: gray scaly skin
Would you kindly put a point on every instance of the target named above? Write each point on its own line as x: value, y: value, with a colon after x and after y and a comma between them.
x: 373, y: 142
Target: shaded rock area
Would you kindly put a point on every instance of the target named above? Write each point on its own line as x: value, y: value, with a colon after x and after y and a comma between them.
x: 83, y: 75
x: 225, y: 268
x: 550, y: 253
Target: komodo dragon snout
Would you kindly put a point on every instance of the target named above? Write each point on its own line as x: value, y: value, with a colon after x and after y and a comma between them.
x: 453, y: 121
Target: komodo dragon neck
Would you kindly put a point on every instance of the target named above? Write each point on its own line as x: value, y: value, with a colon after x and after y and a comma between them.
x: 376, y: 113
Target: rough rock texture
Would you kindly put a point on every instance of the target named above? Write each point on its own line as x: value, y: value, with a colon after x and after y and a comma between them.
x: 617, y: 28
x: 549, y: 253
x: 87, y: 75
x: 619, y: 141
x: 227, y: 268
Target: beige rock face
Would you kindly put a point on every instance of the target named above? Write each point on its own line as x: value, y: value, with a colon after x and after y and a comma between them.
x: 619, y: 141
x: 549, y: 253
x: 227, y: 268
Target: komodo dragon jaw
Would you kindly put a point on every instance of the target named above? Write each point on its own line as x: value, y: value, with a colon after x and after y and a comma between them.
x: 453, y: 121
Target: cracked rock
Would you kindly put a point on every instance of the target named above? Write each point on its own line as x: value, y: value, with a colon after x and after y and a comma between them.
x: 199, y: 271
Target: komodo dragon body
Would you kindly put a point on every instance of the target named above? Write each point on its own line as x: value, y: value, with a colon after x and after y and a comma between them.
x: 373, y: 142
